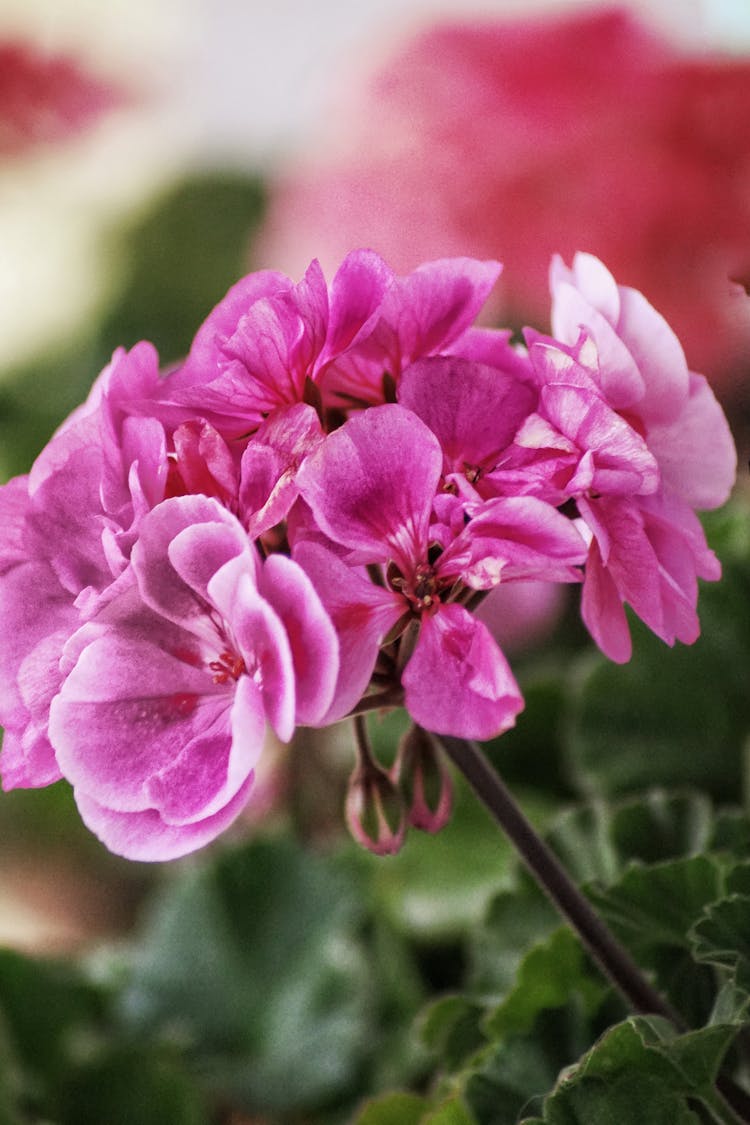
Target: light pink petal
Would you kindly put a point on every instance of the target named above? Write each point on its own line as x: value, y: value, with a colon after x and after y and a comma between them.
x: 259, y: 637
x: 174, y: 595
x: 457, y: 681
x: 141, y: 703
x: 211, y: 769
x: 624, y: 463
x: 145, y: 836
x: 28, y: 760
x: 696, y: 454
x: 622, y: 382
x: 312, y: 637
x: 591, y: 278
x: 658, y: 354
x: 362, y: 613
x: 515, y: 537
x: 372, y: 482
x: 631, y: 562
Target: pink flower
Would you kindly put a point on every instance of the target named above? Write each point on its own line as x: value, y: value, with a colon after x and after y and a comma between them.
x: 69, y: 528
x: 270, y: 344
x: 520, y: 139
x: 46, y: 98
x: 371, y: 488
x: 178, y: 676
x: 642, y: 442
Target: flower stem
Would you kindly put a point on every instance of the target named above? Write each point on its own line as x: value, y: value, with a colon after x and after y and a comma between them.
x: 613, y: 959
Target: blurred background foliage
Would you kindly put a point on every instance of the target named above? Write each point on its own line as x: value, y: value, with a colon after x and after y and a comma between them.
x: 285, y: 977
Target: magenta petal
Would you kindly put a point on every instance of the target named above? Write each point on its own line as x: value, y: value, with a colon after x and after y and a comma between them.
x: 356, y: 294
x: 473, y: 410
x: 269, y: 466
x: 457, y: 681
x: 145, y: 836
x: 602, y: 610
x: 371, y: 484
x: 436, y: 303
x: 362, y: 614
x: 312, y: 637
x: 201, y: 366
x: 14, y: 504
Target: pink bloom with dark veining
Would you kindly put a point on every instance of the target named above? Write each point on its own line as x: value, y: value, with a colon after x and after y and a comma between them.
x: 178, y: 676
x: 371, y: 488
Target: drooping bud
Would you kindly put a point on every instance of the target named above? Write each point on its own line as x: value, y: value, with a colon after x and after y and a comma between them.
x: 424, y: 781
x: 375, y: 810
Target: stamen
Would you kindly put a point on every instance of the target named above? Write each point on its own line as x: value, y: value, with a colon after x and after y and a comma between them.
x: 228, y: 666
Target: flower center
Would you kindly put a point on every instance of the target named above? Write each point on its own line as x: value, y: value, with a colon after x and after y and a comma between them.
x: 421, y: 590
x: 228, y: 666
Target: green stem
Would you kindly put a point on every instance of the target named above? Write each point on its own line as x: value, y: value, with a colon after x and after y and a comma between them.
x: 613, y: 959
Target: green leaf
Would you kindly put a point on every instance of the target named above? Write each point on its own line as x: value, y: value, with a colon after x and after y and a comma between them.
x: 549, y: 975
x: 675, y: 717
x: 512, y: 1075
x: 655, y: 905
x: 46, y: 1005
x: 439, y: 886
x: 452, y: 1112
x: 451, y: 1028
x: 596, y: 840
x: 394, y: 1109
x: 130, y: 1084
x: 640, y: 1070
x: 722, y: 937
x: 515, y: 921
x: 255, y: 964
x: 410, y: 1109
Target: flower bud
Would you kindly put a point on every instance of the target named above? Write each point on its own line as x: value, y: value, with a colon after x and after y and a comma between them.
x: 375, y: 810
x: 424, y: 781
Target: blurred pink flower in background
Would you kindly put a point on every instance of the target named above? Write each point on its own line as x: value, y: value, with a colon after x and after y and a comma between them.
x: 46, y: 98
x: 516, y: 139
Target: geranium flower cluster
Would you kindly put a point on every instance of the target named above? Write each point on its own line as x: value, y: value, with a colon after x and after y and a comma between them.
x: 298, y: 522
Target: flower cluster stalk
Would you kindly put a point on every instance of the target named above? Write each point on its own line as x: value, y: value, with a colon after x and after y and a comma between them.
x: 611, y: 957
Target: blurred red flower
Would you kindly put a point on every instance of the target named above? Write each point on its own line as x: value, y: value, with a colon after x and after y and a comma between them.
x: 517, y: 139
x: 46, y: 98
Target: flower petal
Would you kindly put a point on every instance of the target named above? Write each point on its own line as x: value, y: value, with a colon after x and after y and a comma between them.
x: 371, y: 483
x: 458, y: 681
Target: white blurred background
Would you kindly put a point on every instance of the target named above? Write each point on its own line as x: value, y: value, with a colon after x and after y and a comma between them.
x: 211, y: 82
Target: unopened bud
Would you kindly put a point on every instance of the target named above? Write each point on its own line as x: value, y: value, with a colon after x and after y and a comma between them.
x: 424, y: 781
x: 375, y: 810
